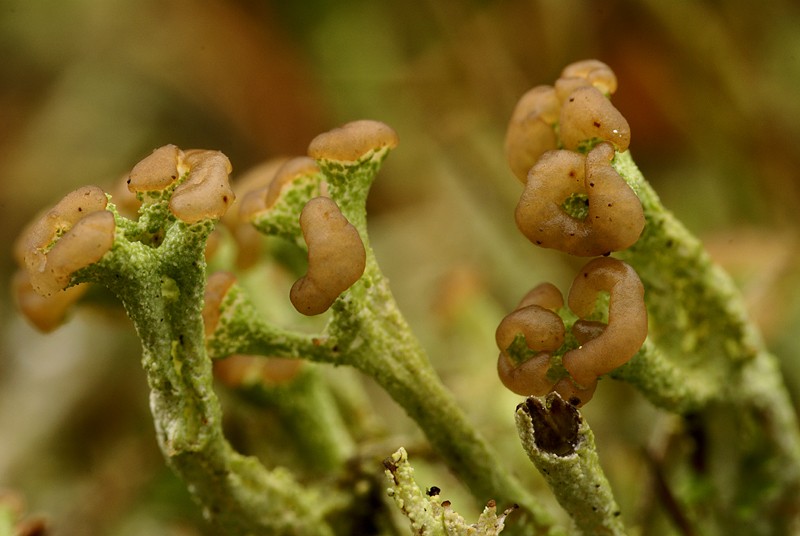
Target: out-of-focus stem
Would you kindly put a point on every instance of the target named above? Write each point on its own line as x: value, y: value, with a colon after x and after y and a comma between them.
x: 306, y: 407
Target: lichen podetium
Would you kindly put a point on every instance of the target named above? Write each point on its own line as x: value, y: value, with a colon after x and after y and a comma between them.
x: 658, y: 314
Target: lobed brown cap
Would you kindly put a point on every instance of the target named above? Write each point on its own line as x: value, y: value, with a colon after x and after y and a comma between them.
x: 206, y: 193
x: 544, y: 333
x: 156, y: 171
x: 588, y: 115
x: 627, y: 318
x: 530, y: 131
x: 336, y: 257
x: 591, y: 72
x: 352, y: 141
x: 615, y: 217
x: 75, y: 233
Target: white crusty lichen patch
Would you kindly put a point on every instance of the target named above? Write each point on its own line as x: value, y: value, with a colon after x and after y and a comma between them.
x: 429, y: 515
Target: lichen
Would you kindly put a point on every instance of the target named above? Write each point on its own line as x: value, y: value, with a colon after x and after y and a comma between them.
x: 428, y: 514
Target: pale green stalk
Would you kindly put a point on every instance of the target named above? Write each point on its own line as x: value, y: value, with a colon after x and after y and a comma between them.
x: 560, y: 444
x: 161, y: 287
x: 367, y: 331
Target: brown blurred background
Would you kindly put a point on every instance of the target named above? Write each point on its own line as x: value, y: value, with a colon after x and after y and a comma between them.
x: 88, y: 87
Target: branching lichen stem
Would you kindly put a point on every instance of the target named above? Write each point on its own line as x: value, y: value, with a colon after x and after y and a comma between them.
x: 163, y: 294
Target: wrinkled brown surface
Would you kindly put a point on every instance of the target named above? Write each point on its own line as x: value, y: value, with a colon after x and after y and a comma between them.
x: 597, y: 73
x: 544, y: 333
x: 156, y: 171
x: 603, y: 347
x: 615, y: 217
x: 336, y: 257
x: 206, y: 193
x: 586, y: 115
x: 85, y: 231
x: 530, y: 131
x: 627, y: 318
x: 352, y: 140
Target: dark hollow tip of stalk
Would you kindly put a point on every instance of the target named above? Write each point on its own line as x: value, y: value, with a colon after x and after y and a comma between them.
x: 389, y: 464
x: 555, y: 424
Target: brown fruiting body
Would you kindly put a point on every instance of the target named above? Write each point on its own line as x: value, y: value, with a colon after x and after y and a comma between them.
x: 301, y: 166
x: 206, y: 193
x: 588, y: 115
x: 578, y: 104
x: 336, y: 257
x: 544, y: 295
x: 530, y: 131
x: 76, y: 232
x: 615, y: 217
x: 627, y: 318
x: 261, y: 199
x: 543, y: 329
x: 352, y: 141
x: 46, y: 313
x: 576, y: 395
x: 250, y: 190
x: 595, y: 72
x: 528, y: 378
x: 156, y: 171
x: 551, y: 213
x: 604, y: 347
x: 84, y: 244
x: 615, y: 212
x: 544, y: 333
x: 539, y: 216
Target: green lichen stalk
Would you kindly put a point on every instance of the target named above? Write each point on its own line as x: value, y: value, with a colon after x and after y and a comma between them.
x: 560, y: 444
x: 696, y: 312
x: 658, y: 314
x: 704, y: 353
x: 694, y: 350
x: 161, y: 285
x: 367, y: 331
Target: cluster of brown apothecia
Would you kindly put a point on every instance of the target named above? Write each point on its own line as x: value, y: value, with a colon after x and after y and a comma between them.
x: 336, y: 254
x: 561, y: 142
x: 80, y: 229
x: 272, y: 195
x: 193, y: 186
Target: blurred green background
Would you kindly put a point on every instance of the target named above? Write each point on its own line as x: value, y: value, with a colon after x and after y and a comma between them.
x: 88, y: 87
